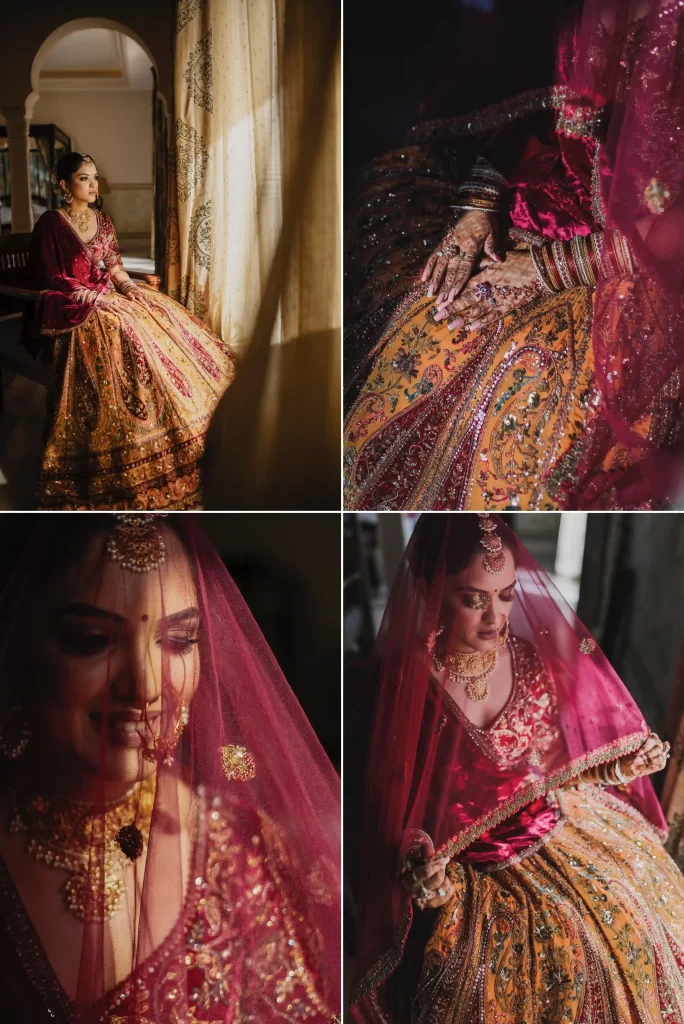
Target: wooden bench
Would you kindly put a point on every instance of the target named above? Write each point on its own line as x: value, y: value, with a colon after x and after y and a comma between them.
x: 15, y: 296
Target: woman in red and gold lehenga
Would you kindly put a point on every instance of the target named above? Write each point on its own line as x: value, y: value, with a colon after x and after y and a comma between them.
x: 535, y: 359
x: 136, y: 375
x: 169, y: 846
x: 511, y: 806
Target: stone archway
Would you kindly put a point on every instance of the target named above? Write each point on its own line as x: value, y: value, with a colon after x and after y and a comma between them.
x: 18, y: 111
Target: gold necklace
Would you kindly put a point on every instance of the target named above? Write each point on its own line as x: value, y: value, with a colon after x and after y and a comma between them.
x: 473, y: 669
x: 80, y: 220
x: 60, y: 834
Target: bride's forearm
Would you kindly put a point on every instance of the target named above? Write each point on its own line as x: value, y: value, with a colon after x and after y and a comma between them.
x: 562, y: 265
x: 122, y: 282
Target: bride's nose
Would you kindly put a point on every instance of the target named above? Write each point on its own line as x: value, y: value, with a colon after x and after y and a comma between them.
x: 138, y: 682
x: 489, y: 614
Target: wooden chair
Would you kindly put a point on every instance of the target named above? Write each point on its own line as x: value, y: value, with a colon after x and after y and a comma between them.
x: 15, y: 296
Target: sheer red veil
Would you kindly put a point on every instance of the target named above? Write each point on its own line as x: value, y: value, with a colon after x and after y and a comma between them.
x: 425, y: 781
x: 626, y: 62
x: 265, y: 906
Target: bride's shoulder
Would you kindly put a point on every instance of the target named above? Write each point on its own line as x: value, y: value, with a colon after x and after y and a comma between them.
x: 525, y: 654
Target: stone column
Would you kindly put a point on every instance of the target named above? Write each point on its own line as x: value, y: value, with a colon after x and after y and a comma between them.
x: 17, y: 144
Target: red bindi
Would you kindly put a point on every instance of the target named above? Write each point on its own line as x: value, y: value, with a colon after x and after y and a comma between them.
x: 145, y: 618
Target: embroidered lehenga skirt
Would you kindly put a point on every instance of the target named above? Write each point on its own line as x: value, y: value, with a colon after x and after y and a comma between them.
x: 586, y: 928
x: 505, y: 417
x: 134, y: 393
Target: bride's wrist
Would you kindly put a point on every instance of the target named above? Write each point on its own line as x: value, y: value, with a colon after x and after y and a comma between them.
x: 482, y: 191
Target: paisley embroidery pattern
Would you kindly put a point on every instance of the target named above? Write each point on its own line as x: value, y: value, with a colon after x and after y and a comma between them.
x: 200, y: 235
x: 186, y: 11
x: 587, y: 928
x: 198, y: 74
x: 191, y: 157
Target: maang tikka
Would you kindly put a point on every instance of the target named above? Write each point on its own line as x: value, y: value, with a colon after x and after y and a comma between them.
x: 495, y: 558
x: 136, y: 542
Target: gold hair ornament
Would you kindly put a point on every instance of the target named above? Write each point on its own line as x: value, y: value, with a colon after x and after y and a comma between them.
x: 136, y: 542
x: 495, y: 558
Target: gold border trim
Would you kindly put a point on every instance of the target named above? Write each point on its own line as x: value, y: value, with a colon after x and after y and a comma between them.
x: 556, y: 780
x: 391, y: 959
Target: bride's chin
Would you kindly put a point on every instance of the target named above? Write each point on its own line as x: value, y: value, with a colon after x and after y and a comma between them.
x: 127, y: 766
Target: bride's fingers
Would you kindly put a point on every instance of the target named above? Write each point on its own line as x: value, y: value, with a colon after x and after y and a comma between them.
x: 485, y: 321
x: 429, y: 267
x: 449, y: 281
x: 463, y: 274
x: 437, y: 275
x: 468, y: 317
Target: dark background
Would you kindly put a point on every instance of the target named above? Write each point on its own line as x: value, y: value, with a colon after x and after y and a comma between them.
x: 287, y: 567
x: 442, y: 59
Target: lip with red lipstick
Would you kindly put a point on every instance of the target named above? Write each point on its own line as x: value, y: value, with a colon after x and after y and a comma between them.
x: 489, y: 634
x: 123, y: 728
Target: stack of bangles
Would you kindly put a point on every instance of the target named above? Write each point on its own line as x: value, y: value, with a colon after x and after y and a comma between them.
x: 610, y: 774
x: 127, y: 286
x: 562, y: 265
x: 483, y: 189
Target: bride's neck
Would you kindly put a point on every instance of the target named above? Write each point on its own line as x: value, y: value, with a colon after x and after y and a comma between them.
x: 78, y: 206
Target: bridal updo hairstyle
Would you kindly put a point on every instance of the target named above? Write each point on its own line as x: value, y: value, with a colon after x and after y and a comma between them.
x: 66, y: 167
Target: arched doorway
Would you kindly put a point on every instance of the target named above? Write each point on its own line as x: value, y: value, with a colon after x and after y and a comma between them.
x: 99, y: 76
x: 94, y: 79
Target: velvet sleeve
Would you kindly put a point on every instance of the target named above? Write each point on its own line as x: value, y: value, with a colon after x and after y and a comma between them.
x: 549, y: 171
x: 65, y: 275
x: 112, y: 254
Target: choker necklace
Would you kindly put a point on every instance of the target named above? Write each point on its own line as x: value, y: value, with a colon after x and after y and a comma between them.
x: 80, y: 220
x: 473, y: 669
x: 60, y: 834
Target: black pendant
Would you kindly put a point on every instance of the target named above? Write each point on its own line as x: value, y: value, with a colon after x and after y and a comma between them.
x: 130, y: 840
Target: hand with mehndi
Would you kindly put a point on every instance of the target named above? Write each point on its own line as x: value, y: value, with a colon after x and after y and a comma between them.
x: 651, y: 757
x: 427, y: 872
x: 492, y: 293
x: 452, y: 262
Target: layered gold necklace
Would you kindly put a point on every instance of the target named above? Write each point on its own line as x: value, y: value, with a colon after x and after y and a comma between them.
x: 80, y: 220
x: 61, y: 834
x: 473, y: 669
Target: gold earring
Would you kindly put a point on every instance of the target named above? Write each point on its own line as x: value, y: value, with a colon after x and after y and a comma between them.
x: 14, y: 725
x: 503, y: 637
x: 68, y: 197
x: 165, y: 748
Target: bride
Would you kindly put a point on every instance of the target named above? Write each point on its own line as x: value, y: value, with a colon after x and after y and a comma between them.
x: 512, y: 861
x: 533, y: 359
x: 169, y: 843
x: 136, y: 375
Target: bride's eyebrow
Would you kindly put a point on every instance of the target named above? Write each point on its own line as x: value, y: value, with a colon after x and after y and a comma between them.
x: 82, y: 610
x: 186, y: 615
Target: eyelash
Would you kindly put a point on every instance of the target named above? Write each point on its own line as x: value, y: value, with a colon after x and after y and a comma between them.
x: 470, y: 601
x: 89, y: 643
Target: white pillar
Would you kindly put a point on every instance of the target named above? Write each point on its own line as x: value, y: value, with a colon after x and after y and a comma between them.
x: 17, y: 145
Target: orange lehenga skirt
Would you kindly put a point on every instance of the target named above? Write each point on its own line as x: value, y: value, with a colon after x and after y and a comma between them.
x: 134, y: 392
x: 504, y: 418
x: 587, y: 928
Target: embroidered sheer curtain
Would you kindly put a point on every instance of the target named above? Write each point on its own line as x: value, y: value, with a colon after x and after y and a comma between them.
x: 254, y: 234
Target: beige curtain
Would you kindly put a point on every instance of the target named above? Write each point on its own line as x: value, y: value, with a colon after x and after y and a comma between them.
x: 254, y: 238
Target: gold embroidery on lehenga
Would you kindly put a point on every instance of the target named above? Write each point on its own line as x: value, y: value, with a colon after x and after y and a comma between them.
x: 587, y: 928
